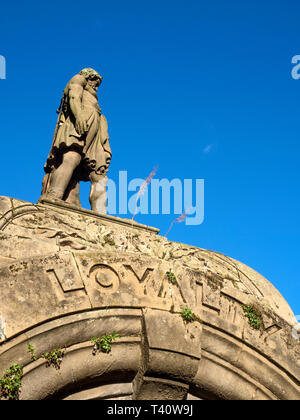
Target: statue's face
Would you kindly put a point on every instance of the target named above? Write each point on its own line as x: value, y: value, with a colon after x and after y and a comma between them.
x: 94, y: 82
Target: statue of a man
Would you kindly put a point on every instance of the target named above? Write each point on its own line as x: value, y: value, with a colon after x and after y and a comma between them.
x: 80, y: 150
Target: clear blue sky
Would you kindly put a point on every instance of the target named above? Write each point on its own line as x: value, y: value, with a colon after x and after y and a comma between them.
x: 203, y: 89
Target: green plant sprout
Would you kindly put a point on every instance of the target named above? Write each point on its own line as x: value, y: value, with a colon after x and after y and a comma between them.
x: 54, y: 358
x: 31, y: 350
x: 103, y: 343
x: 253, y: 315
x: 171, y: 277
x: 108, y: 240
x: 188, y: 315
x: 10, y: 384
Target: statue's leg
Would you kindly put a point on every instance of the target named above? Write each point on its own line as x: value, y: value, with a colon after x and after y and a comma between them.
x: 98, y: 194
x: 71, y: 195
x: 45, y: 183
x: 61, y: 177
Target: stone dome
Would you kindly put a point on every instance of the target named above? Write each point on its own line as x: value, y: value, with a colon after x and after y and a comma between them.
x: 260, y: 288
x: 68, y: 275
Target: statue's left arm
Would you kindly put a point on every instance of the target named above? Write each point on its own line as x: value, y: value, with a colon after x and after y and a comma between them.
x: 76, y: 87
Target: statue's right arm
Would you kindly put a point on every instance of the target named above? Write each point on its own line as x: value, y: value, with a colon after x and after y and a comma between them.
x: 76, y: 87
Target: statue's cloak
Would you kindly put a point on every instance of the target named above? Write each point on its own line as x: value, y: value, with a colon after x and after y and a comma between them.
x: 93, y: 146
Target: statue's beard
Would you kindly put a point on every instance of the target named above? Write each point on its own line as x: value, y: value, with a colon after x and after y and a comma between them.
x: 94, y: 87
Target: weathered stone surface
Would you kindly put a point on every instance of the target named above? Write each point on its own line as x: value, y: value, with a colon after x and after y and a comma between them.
x: 68, y: 275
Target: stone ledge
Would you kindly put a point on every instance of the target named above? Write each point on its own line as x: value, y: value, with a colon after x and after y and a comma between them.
x: 62, y: 206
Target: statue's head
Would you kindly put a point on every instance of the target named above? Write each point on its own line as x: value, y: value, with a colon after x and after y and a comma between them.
x: 93, y: 78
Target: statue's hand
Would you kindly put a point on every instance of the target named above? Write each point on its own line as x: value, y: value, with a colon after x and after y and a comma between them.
x: 81, y: 126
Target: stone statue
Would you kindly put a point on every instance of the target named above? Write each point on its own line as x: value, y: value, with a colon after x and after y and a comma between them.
x: 80, y: 150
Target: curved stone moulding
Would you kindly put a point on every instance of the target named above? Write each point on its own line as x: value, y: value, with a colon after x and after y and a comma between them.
x: 15, y: 212
x: 141, y: 363
x: 68, y: 275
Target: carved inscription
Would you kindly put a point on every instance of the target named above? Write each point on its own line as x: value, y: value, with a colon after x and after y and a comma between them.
x: 143, y: 277
x: 271, y: 328
x: 197, y: 289
x: 105, y: 277
x: 207, y: 291
x: 66, y: 274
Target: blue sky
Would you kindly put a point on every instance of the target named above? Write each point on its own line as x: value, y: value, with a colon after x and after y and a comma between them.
x: 203, y: 89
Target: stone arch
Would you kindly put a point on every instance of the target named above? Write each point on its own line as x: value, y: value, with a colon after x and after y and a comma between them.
x: 141, y: 365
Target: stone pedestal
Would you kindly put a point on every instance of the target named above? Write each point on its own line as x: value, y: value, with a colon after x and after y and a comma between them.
x: 68, y: 275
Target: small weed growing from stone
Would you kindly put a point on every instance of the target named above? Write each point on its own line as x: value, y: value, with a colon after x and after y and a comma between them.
x: 171, y: 277
x: 103, y: 343
x: 31, y: 350
x: 253, y: 316
x: 108, y: 240
x: 54, y: 358
x: 10, y: 384
x: 188, y: 315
